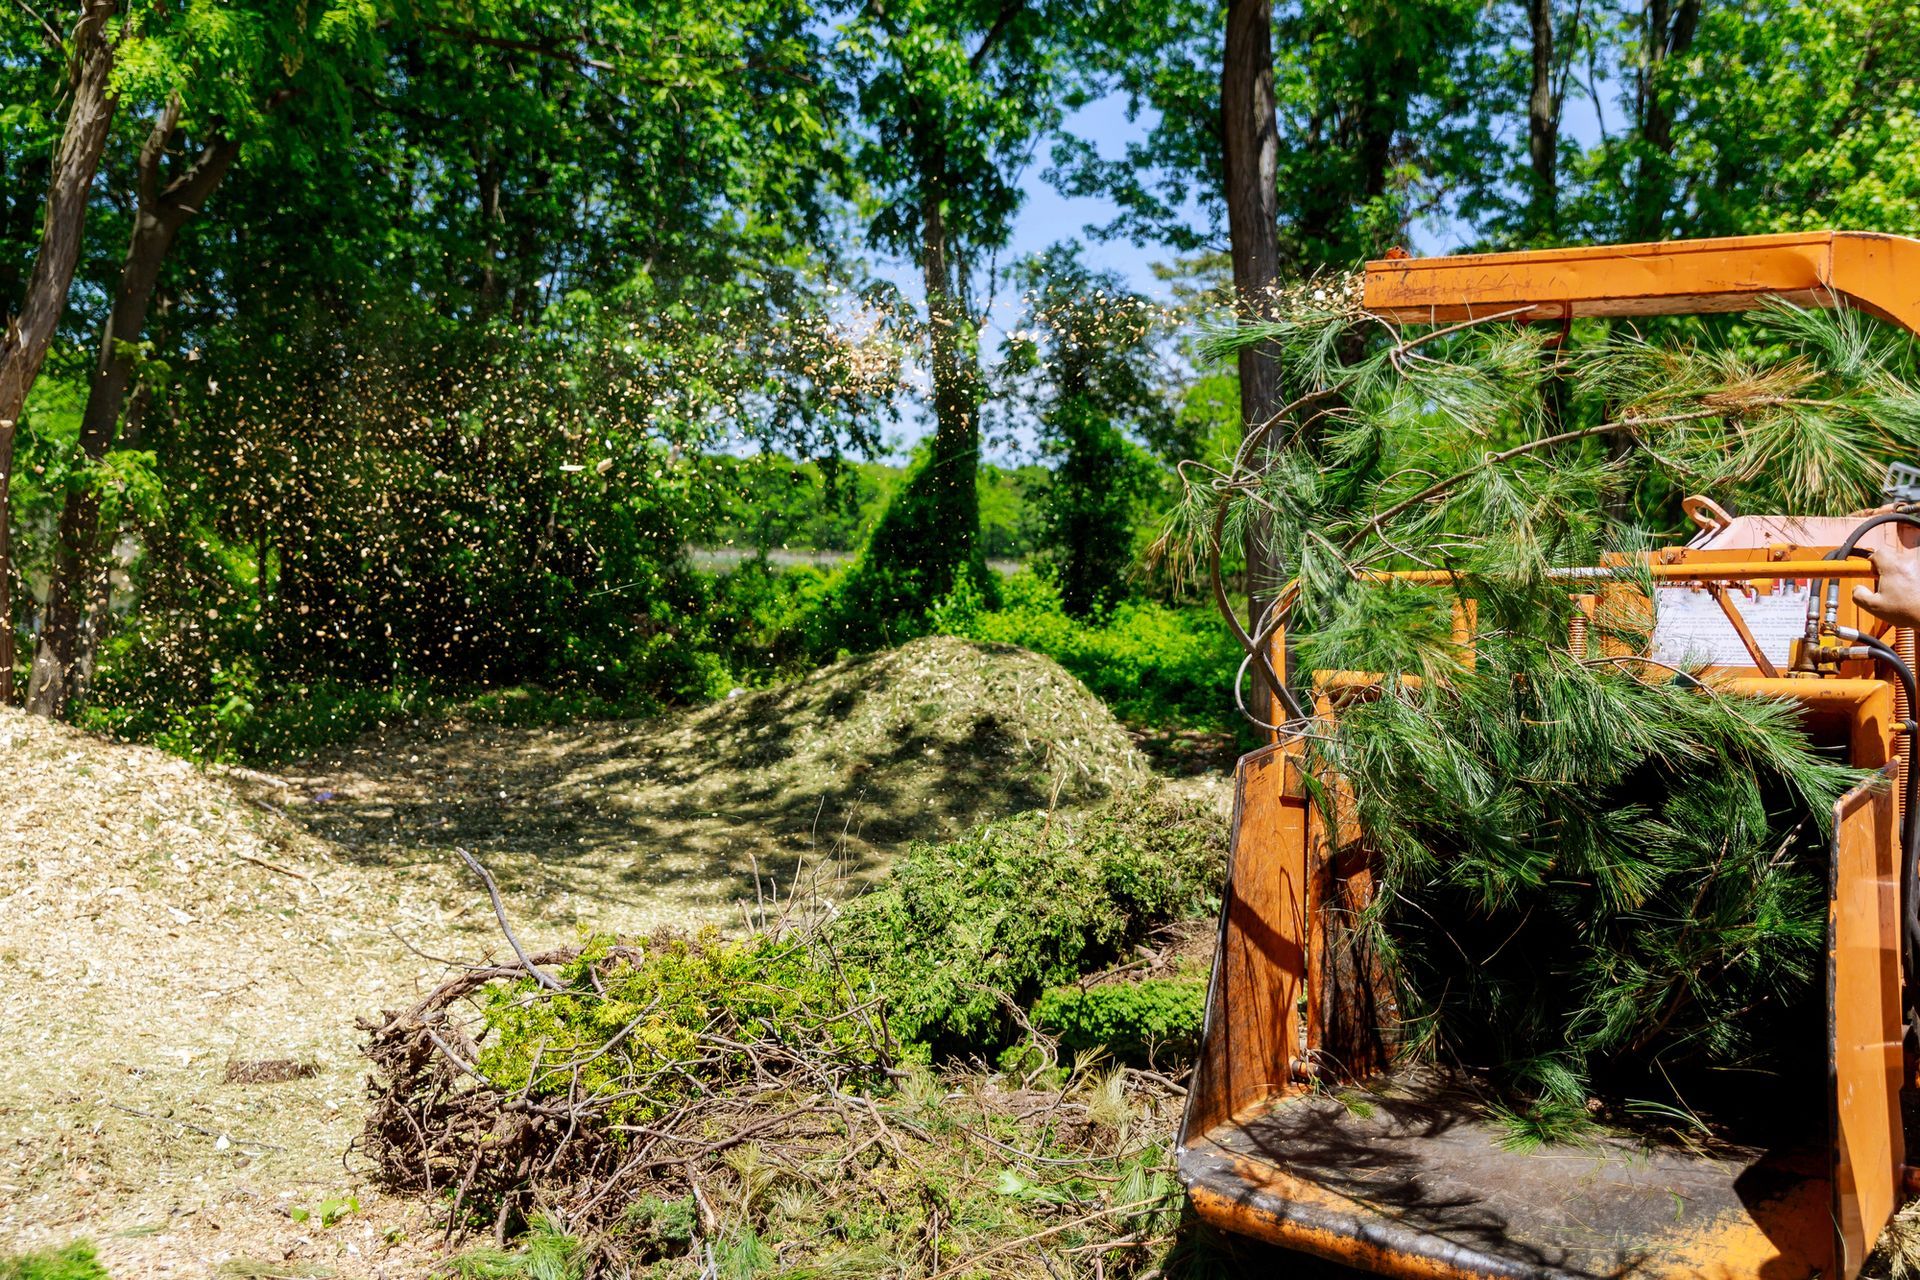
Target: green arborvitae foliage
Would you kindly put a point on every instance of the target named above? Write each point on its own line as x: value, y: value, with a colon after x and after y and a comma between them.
x: 961, y: 933
x: 1153, y: 1020
x: 942, y: 955
x: 629, y: 1027
x: 1592, y: 875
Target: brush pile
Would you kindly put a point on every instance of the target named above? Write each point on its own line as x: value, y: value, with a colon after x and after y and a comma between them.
x: 636, y: 1065
x: 1594, y: 882
x: 704, y: 1104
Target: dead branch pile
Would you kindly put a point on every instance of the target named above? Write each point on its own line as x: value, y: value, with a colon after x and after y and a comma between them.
x: 585, y: 1125
x: 676, y: 1099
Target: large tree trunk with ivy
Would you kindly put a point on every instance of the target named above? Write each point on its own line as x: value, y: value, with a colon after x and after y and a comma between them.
x: 929, y: 533
x: 951, y: 477
x: 28, y: 334
x: 159, y: 214
x: 1249, y: 132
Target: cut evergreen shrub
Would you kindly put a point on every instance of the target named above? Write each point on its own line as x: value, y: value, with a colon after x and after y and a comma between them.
x: 628, y: 1018
x: 961, y: 935
x: 1153, y: 1020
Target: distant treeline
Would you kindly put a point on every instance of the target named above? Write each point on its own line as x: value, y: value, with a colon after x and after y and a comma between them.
x: 768, y: 501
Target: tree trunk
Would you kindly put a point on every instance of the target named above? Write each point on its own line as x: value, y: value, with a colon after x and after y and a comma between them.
x: 23, y: 347
x: 158, y: 216
x: 487, y: 183
x: 1249, y: 133
x: 1669, y: 34
x: 1543, y: 127
x: 954, y: 466
x: 98, y: 615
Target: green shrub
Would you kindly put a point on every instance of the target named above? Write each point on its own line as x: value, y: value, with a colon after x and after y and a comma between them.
x: 1151, y: 1020
x: 961, y: 932
x: 913, y: 558
x: 775, y: 621
x: 75, y: 1262
x: 1155, y: 665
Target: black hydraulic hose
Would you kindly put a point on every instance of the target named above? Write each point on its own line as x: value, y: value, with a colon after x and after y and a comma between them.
x: 1818, y: 599
x: 1845, y: 549
x: 1910, y: 820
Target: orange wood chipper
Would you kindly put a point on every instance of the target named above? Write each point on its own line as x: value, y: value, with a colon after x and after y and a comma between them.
x: 1416, y: 1183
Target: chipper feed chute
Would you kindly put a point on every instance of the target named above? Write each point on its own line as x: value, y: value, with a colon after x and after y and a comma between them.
x: 1415, y: 1182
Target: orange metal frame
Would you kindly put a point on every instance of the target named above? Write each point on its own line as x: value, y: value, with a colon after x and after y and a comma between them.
x: 1875, y: 273
x: 1264, y: 1021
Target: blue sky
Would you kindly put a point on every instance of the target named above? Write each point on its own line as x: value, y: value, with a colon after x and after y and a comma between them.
x: 1047, y: 217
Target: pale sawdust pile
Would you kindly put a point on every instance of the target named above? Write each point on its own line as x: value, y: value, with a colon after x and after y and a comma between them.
x: 629, y: 826
x: 159, y: 933
x: 171, y: 939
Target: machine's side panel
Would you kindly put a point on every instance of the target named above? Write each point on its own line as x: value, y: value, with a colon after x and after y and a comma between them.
x: 1253, y: 1022
x: 1863, y: 1005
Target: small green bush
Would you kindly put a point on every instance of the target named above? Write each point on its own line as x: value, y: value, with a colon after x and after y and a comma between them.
x: 1156, y: 665
x: 75, y: 1262
x: 1156, y: 1019
x: 961, y: 933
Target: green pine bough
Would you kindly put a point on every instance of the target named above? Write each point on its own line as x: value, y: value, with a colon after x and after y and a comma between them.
x: 1600, y: 890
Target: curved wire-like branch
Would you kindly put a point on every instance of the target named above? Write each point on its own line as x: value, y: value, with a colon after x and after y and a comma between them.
x: 1231, y: 482
x: 540, y: 975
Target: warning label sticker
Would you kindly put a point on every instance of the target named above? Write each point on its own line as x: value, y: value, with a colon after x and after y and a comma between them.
x: 1690, y: 630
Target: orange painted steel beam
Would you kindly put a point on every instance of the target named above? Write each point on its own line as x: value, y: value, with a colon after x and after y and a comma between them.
x: 1679, y: 571
x: 1879, y: 274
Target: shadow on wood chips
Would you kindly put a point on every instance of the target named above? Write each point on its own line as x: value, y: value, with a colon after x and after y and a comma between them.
x: 635, y: 824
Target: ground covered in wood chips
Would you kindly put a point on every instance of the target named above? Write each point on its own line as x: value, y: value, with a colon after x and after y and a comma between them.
x: 630, y: 825
x: 185, y: 952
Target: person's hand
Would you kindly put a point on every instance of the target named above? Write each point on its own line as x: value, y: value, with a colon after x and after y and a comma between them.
x: 1898, y: 599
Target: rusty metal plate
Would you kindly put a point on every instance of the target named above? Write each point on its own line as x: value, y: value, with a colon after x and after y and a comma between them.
x: 1252, y: 1028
